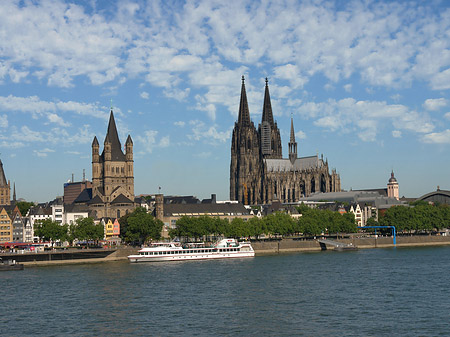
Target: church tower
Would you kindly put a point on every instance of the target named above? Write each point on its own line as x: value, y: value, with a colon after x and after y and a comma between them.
x: 292, y: 144
x: 269, y: 134
x: 245, y: 167
x: 5, y: 188
x: 392, y: 187
x: 112, y: 174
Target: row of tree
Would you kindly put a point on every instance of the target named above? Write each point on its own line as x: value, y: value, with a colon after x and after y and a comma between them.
x: 422, y: 217
x: 312, y: 222
x: 84, y: 229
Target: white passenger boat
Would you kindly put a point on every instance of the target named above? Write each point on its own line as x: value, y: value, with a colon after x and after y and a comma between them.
x: 174, y: 251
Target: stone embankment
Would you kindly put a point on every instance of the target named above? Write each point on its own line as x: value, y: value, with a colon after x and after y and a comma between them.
x: 302, y: 245
x: 261, y: 247
x: 71, y: 256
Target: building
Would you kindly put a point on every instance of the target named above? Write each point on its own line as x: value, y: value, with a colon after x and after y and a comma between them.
x: 112, y: 228
x: 6, y: 228
x: 112, y: 175
x: 73, y: 189
x: 169, y: 212
x: 5, y: 188
x: 18, y: 225
x: 259, y: 174
x: 437, y: 197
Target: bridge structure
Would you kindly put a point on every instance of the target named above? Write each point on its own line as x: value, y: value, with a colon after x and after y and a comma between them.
x: 393, y: 231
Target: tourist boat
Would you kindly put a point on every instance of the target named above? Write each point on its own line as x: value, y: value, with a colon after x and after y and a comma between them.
x: 10, y: 265
x: 175, y: 251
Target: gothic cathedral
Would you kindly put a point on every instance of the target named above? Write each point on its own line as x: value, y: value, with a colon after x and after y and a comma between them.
x: 259, y: 174
x: 112, y: 175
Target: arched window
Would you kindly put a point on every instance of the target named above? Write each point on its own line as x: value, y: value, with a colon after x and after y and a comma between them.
x: 323, y: 184
x: 313, y: 185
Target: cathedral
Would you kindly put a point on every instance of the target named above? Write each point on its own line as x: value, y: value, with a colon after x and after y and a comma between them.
x: 112, y: 175
x: 258, y: 172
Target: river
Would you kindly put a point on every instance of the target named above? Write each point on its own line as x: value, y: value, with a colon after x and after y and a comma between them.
x: 373, y: 292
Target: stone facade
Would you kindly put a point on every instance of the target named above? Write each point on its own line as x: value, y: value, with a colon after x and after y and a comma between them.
x: 259, y: 174
x: 112, y: 175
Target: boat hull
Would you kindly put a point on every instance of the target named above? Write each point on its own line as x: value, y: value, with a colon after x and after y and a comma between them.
x: 186, y: 257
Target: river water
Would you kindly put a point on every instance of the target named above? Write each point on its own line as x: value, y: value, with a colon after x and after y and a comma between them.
x: 374, y: 292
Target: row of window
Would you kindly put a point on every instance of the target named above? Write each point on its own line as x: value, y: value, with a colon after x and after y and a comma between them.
x: 192, y: 251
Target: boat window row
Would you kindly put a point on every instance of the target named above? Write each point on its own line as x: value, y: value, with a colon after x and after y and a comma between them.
x: 191, y: 251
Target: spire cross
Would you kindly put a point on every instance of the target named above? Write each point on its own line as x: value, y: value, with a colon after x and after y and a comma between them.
x: 267, y: 81
x: 111, y: 104
x: 243, y: 79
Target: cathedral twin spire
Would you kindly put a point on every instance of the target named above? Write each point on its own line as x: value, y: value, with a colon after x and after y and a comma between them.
x: 269, y: 134
x: 244, y: 114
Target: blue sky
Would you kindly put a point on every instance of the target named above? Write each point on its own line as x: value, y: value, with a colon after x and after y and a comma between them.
x: 367, y: 83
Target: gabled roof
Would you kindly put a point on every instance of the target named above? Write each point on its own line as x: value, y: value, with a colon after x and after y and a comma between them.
x: 95, y: 200
x: 121, y: 199
x: 84, y: 196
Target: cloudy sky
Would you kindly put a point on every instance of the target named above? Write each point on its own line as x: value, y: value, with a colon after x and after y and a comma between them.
x: 367, y: 83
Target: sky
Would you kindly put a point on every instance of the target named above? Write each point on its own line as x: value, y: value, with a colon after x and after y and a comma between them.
x: 367, y: 84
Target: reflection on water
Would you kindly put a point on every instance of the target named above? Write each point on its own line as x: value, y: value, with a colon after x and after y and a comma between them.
x: 378, y: 292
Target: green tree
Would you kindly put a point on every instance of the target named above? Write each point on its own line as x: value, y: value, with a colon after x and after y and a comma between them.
x: 87, y: 230
x: 49, y: 230
x: 24, y: 206
x: 142, y: 226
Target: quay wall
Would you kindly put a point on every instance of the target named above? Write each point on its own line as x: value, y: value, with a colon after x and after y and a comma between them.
x: 298, y: 245
x: 261, y: 247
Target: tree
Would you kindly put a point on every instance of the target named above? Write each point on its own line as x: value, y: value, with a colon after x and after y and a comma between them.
x: 142, y: 226
x: 24, y: 206
x: 87, y: 230
x: 49, y: 230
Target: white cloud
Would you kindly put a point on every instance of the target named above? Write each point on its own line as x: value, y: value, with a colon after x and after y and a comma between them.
x: 437, y: 137
x: 4, y: 121
x: 435, y: 104
x: 201, y: 131
x: 37, y: 107
x: 54, y: 118
x: 366, y: 118
x: 144, y: 95
x: 397, y: 134
x: 150, y: 141
x: 43, y: 152
x: 447, y: 115
x: 300, y: 135
x: 179, y: 123
x: 348, y: 87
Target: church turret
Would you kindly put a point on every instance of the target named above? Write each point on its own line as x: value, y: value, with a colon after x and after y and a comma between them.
x: 244, y: 114
x: 129, y: 149
x: 269, y: 134
x: 267, y: 114
x: 392, y: 187
x: 95, y: 150
x: 292, y: 144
